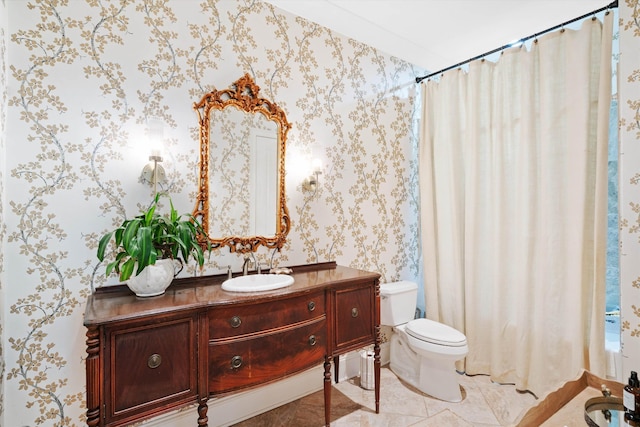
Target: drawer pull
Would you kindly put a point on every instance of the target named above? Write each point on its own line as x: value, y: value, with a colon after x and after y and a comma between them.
x: 154, y: 361
x: 312, y: 340
x: 235, y: 321
x: 311, y: 305
x: 236, y: 362
x: 354, y: 312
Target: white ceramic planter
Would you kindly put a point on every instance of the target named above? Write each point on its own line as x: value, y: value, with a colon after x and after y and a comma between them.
x: 154, y: 279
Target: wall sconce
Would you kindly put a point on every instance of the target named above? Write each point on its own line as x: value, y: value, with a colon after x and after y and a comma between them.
x: 311, y: 182
x: 153, y: 172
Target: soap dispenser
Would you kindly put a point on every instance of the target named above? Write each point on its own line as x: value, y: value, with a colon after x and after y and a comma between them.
x: 631, y: 397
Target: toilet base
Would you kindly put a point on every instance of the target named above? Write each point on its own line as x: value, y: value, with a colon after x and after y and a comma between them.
x: 436, y: 377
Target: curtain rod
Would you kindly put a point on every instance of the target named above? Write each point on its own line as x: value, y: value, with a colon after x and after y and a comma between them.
x: 586, y: 15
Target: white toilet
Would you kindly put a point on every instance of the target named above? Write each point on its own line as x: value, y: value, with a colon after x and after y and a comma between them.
x: 423, y: 352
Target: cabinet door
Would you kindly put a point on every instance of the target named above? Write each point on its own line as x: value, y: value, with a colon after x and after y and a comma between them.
x: 354, y: 321
x: 149, y: 367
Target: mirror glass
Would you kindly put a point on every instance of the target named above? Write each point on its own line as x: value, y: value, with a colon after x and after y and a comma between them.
x: 243, y: 166
x: 241, y: 196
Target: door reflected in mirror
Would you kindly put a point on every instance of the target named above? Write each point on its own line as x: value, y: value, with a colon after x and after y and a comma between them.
x: 241, y: 194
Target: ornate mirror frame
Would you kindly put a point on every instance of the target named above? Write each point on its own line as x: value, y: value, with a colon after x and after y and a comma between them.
x: 244, y: 95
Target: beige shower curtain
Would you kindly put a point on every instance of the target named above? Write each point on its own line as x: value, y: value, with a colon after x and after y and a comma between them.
x: 513, y: 185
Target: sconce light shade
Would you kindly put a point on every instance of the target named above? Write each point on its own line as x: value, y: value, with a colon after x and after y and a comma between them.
x: 153, y: 173
x: 311, y: 182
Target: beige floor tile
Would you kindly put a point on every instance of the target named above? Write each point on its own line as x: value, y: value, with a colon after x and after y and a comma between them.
x: 485, y: 404
x: 473, y: 408
x: 397, y: 397
x: 506, y: 402
x: 369, y: 419
x: 444, y: 418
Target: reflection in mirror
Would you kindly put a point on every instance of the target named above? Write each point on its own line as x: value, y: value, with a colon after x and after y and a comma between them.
x: 243, y: 164
x: 241, y: 196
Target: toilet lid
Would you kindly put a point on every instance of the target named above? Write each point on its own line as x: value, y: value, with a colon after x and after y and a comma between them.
x: 435, y: 332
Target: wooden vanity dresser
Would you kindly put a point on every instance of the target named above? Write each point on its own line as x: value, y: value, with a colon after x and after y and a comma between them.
x: 146, y: 356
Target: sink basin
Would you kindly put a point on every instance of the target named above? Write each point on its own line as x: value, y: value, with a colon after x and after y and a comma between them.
x: 257, y: 282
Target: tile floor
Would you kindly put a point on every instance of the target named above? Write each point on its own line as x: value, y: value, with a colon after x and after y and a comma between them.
x: 484, y: 404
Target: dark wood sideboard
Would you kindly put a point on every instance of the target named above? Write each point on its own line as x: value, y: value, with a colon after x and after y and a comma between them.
x: 146, y: 356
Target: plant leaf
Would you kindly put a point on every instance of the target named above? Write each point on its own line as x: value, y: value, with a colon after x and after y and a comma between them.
x: 129, y: 236
x: 127, y: 269
x: 144, y: 248
x: 102, y: 245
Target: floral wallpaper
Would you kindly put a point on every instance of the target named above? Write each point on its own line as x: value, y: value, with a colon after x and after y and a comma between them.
x: 82, y: 82
x: 629, y: 202
x: 3, y: 228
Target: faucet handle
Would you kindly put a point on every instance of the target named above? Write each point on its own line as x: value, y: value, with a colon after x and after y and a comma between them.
x: 259, y: 267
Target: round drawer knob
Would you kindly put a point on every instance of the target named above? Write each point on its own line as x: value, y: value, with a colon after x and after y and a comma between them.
x: 235, y: 321
x: 354, y: 312
x: 311, y: 306
x: 154, y: 361
x: 312, y: 340
x: 236, y: 362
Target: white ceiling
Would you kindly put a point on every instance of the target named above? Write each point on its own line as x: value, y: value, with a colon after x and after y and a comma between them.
x: 435, y: 34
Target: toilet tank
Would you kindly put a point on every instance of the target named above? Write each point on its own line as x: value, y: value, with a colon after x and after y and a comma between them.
x: 398, y: 302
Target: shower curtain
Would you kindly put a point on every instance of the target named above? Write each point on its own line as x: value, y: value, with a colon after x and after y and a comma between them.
x: 513, y: 187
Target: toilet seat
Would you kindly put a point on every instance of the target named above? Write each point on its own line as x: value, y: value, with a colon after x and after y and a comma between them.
x: 435, y: 333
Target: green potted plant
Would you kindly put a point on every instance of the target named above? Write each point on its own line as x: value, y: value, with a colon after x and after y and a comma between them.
x: 151, y: 245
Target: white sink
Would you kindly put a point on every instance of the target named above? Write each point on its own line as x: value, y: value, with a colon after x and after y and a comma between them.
x: 257, y: 282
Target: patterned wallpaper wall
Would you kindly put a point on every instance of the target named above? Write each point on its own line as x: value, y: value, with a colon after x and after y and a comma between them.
x: 84, y: 79
x: 3, y: 145
x: 629, y: 104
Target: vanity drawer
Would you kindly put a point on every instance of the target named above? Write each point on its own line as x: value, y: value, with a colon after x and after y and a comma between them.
x: 246, y: 319
x: 250, y: 361
x: 354, y: 317
x: 150, y: 366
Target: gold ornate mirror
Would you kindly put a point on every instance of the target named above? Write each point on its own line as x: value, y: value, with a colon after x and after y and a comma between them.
x: 241, y: 195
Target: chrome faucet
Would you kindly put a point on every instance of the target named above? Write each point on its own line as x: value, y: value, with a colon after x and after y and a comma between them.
x: 245, y: 265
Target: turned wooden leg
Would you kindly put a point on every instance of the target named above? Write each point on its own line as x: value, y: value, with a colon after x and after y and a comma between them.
x: 336, y: 366
x: 203, y: 420
x: 94, y: 394
x: 376, y: 373
x: 327, y: 391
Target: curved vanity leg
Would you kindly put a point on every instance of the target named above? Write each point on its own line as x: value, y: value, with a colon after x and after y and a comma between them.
x: 203, y: 420
x: 336, y: 366
x: 327, y: 390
